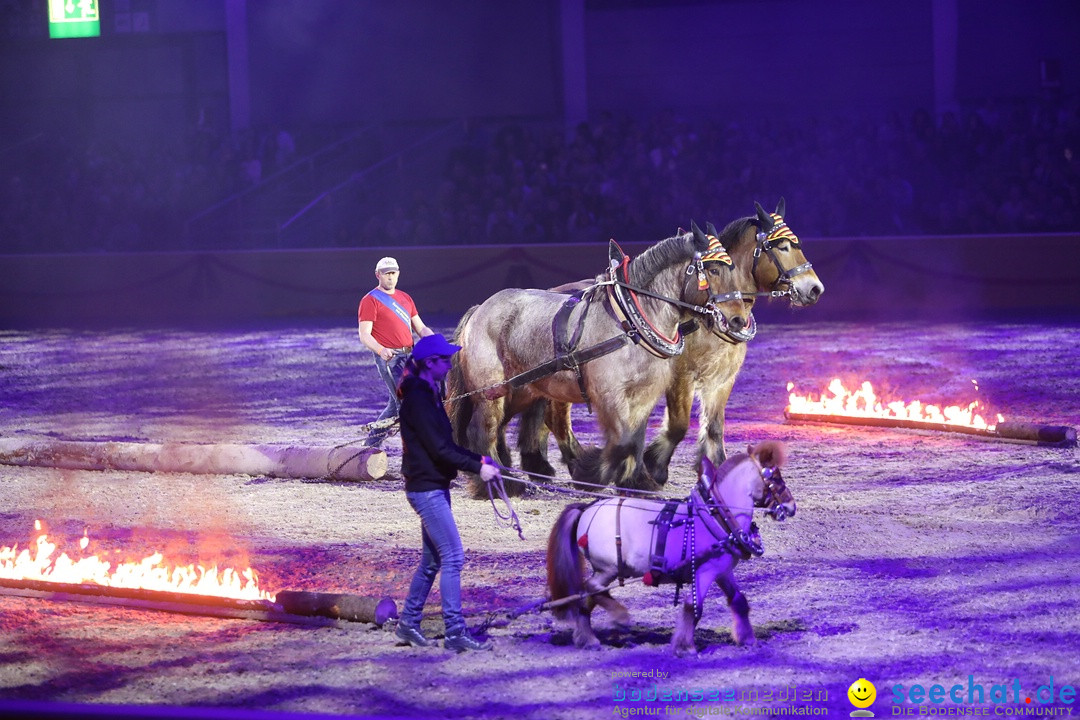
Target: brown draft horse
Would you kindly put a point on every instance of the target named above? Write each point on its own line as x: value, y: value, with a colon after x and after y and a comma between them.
x: 773, y: 254
x: 697, y: 542
x: 509, y: 336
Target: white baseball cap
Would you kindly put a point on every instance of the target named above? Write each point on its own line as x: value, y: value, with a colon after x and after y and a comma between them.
x: 387, y: 263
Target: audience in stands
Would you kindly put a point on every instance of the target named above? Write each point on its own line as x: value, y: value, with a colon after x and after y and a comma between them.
x: 995, y: 168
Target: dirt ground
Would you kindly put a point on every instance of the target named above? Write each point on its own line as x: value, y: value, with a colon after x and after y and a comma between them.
x: 915, y: 560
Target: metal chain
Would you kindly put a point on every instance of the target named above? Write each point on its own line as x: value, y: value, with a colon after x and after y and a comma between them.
x: 646, y: 494
x: 693, y: 561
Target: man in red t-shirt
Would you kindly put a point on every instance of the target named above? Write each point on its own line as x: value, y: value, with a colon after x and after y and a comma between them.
x: 388, y: 319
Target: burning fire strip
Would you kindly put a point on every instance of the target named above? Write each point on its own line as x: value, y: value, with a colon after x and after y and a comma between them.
x: 155, y: 585
x: 151, y: 573
x: 864, y: 407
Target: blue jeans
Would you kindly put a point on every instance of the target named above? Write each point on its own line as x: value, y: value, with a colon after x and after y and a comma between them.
x: 442, y: 552
x: 390, y: 372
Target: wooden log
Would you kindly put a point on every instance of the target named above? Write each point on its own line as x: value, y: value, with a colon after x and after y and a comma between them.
x: 1026, y: 433
x: 287, y: 605
x: 46, y: 586
x: 357, y: 608
x: 336, y: 463
x: 1047, y: 435
x: 181, y: 603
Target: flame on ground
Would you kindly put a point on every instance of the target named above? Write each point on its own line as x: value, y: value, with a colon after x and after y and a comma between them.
x: 864, y: 402
x: 37, y: 562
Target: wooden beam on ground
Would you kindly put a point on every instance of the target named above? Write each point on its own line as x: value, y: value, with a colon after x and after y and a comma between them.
x: 334, y: 463
x: 298, y: 608
x: 1026, y: 433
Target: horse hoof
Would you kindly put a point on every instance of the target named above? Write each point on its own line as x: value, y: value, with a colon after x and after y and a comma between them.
x: 476, y: 488
x: 536, y: 464
x: 682, y: 652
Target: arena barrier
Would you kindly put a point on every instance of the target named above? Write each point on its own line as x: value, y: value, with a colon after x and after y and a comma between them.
x: 923, y: 278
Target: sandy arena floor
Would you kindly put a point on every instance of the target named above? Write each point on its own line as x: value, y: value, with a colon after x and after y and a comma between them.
x: 916, y: 559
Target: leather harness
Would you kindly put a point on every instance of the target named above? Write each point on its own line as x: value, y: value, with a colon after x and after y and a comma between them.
x: 632, y: 321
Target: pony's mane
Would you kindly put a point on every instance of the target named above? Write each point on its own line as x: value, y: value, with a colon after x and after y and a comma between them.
x: 734, y: 235
x: 662, y: 255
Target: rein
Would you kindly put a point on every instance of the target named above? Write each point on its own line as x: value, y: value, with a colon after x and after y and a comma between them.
x: 701, y: 310
x: 510, y: 518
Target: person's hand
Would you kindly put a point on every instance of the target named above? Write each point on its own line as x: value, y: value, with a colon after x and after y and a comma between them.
x: 489, y: 473
x: 386, y: 354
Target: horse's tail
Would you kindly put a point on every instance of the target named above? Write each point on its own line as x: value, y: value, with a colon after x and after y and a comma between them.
x: 458, y: 409
x: 771, y: 453
x: 565, y: 565
x: 462, y: 322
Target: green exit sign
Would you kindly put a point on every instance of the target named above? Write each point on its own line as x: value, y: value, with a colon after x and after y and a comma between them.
x: 74, y: 18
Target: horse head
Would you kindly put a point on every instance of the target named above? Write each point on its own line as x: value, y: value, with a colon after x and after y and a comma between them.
x: 772, y: 492
x: 788, y: 269
x: 755, y: 477
x: 726, y: 290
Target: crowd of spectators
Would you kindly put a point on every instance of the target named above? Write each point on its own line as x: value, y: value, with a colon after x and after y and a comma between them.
x: 994, y: 168
x: 59, y: 195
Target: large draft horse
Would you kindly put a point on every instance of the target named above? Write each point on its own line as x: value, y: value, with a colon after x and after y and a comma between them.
x: 695, y: 542
x: 764, y: 245
x: 710, y: 364
x: 508, y: 341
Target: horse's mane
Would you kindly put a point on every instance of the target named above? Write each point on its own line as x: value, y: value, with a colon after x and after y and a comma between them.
x: 662, y: 255
x: 734, y: 235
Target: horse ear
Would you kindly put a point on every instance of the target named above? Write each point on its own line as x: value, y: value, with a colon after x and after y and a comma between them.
x: 701, y: 241
x: 615, y: 253
x: 771, y: 453
x: 781, y: 207
x: 763, y: 217
x: 712, y: 230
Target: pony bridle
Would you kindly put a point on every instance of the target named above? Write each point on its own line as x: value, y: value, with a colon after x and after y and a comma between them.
x: 768, y: 242
x: 773, y: 499
x: 776, y: 497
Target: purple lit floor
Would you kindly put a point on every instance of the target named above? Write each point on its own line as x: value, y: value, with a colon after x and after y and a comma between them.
x: 915, y: 558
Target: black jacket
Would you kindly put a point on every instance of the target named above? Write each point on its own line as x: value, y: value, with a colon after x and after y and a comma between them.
x: 430, y: 459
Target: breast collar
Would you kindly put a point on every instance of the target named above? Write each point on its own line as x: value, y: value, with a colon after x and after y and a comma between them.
x: 631, y: 316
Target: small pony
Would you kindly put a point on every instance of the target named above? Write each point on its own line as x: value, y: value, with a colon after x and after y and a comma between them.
x: 696, y: 541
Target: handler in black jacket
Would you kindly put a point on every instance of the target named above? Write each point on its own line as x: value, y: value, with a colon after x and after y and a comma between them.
x: 430, y: 460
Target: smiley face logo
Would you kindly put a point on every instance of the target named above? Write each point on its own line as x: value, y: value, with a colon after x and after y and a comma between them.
x: 862, y: 693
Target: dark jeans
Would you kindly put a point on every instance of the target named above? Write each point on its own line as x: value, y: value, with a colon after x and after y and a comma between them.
x: 390, y: 372
x: 442, y: 554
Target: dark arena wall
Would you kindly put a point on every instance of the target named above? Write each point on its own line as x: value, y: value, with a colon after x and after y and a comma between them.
x: 928, y: 278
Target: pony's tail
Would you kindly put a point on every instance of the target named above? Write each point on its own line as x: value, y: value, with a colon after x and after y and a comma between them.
x: 458, y: 409
x: 771, y: 453
x: 565, y: 565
